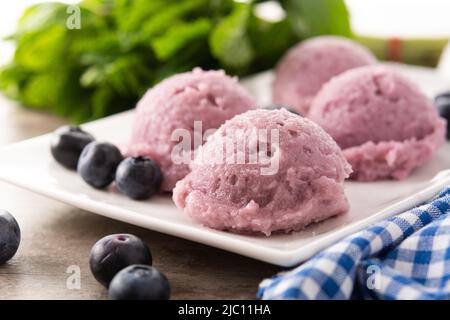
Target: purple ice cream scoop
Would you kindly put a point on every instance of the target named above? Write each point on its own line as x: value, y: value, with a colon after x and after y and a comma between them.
x: 226, y: 190
x: 306, y: 67
x: 383, y: 122
x: 209, y: 97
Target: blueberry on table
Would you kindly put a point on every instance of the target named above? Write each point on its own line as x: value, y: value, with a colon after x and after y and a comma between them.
x: 442, y: 103
x: 98, y: 163
x: 138, y: 178
x: 67, y: 143
x: 9, y: 236
x: 279, y: 106
x: 139, y: 282
x: 116, y: 252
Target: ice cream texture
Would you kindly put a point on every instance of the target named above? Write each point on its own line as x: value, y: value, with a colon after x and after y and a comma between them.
x: 306, y: 67
x: 383, y: 122
x: 307, y: 186
x: 208, y: 97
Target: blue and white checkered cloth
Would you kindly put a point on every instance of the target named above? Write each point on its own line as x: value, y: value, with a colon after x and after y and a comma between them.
x: 404, y: 257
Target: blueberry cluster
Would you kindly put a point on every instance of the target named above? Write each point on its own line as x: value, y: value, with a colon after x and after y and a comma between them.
x: 120, y: 262
x: 101, y: 163
x: 123, y: 264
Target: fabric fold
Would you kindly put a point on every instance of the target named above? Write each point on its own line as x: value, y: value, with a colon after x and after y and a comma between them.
x: 403, y: 257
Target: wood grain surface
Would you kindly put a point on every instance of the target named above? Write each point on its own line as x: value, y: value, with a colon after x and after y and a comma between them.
x: 56, y: 236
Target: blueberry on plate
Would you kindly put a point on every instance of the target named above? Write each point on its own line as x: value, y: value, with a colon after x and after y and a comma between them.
x: 67, y: 143
x: 442, y: 103
x: 116, y: 252
x: 139, y: 282
x: 9, y: 236
x: 279, y: 106
x: 442, y: 96
x: 98, y: 163
x: 138, y: 177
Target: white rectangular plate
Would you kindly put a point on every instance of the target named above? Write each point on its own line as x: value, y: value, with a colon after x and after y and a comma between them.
x: 29, y: 165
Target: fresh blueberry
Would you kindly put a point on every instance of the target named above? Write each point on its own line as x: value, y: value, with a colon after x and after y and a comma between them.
x: 116, y: 252
x: 442, y: 103
x: 138, y: 178
x: 67, y: 143
x: 442, y: 96
x: 98, y: 163
x: 279, y: 106
x: 139, y: 282
x: 9, y: 236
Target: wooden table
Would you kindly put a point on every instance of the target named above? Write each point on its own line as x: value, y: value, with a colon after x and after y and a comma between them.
x: 56, y: 236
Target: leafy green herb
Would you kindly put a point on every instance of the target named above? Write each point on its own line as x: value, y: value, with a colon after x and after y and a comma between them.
x: 124, y: 47
x: 318, y: 17
x: 230, y: 41
x: 180, y: 36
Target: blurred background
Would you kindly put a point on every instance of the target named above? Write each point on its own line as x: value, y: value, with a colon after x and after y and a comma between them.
x: 85, y: 60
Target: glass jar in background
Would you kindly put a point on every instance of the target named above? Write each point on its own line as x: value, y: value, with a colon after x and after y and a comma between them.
x: 408, y: 31
x: 444, y: 64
